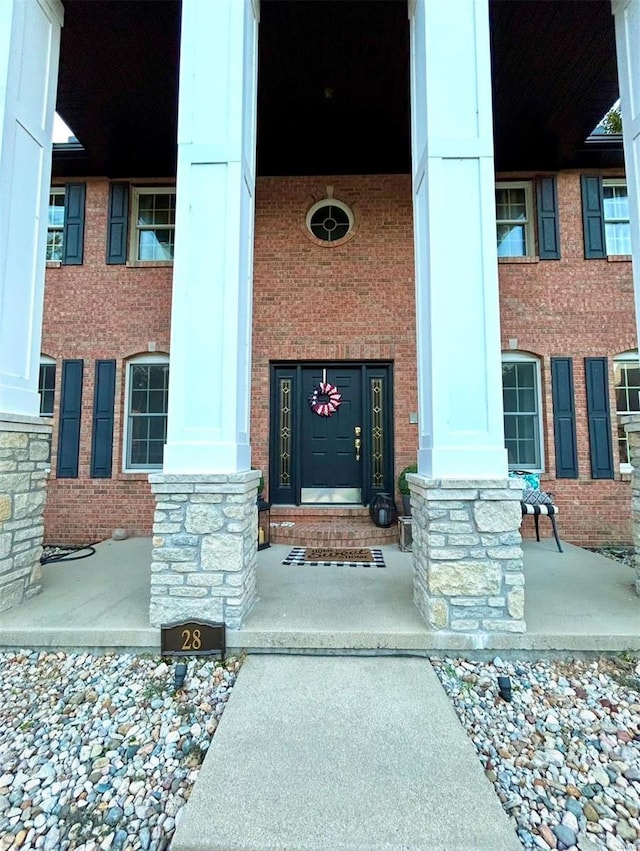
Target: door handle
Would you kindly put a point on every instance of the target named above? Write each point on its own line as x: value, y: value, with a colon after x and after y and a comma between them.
x: 358, y: 444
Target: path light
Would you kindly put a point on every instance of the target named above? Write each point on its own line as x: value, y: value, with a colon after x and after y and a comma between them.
x: 504, y: 688
x: 180, y: 674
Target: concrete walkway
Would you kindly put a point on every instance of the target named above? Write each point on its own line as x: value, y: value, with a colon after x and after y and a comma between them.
x: 321, y: 753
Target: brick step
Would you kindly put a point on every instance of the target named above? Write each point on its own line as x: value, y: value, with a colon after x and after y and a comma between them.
x: 308, y: 531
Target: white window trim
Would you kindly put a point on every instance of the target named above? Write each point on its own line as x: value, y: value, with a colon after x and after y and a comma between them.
x: 529, y: 230
x: 45, y: 360
x: 136, y: 192
x: 57, y: 190
x: 135, y: 361
x: 333, y: 202
x: 521, y: 357
x: 624, y: 357
x: 614, y: 181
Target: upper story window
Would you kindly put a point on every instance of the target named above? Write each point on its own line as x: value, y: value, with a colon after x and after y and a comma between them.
x: 514, y: 219
x: 47, y: 386
x: 146, y: 415
x: 153, y: 223
x: 55, y: 224
x: 522, y: 411
x: 627, y: 380
x: 330, y: 220
x: 616, y: 217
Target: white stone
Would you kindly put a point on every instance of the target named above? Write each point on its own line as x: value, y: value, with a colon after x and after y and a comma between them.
x: 464, y: 578
x: 501, y: 516
x: 222, y: 552
x: 203, y: 518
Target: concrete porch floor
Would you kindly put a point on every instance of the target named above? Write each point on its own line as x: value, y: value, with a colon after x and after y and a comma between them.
x: 575, y: 601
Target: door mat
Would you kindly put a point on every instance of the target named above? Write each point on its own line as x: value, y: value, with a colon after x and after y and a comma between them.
x: 335, y: 557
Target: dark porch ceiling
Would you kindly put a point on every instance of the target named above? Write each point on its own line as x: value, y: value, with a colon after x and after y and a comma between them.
x: 333, y: 85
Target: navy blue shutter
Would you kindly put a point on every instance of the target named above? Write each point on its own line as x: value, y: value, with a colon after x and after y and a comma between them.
x: 600, y: 444
x: 73, y: 233
x: 102, y: 434
x: 564, y: 418
x: 593, y: 218
x: 548, y: 229
x: 70, y: 414
x: 118, y: 223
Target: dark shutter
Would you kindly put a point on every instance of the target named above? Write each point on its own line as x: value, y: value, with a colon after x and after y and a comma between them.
x: 73, y: 234
x: 600, y: 445
x: 548, y: 230
x: 564, y: 418
x: 118, y: 223
x: 70, y: 413
x: 102, y: 434
x: 593, y: 218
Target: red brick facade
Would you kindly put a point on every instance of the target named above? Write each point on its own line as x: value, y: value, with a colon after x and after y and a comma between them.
x: 365, y: 286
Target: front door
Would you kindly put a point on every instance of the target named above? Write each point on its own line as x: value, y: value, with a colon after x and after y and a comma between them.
x: 331, y: 459
x: 336, y: 455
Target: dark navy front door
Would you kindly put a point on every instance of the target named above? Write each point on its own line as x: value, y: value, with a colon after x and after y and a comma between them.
x: 314, y: 459
x: 331, y: 458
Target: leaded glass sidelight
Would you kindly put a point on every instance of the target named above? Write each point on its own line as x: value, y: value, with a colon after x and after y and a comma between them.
x: 377, y: 433
x: 284, y: 432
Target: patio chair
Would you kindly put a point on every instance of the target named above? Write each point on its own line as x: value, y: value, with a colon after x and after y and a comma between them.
x: 536, y: 502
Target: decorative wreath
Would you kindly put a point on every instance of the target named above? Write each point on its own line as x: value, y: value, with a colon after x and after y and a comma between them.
x: 325, y: 399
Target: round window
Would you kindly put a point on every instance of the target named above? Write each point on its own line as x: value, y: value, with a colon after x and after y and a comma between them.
x: 329, y: 220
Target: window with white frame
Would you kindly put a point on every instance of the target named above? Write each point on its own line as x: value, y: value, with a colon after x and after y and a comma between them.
x: 514, y: 219
x: 522, y: 411
x: 153, y: 223
x: 146, y: 415
x: 55, y: 223
x: 616, y: 217
x: 47, y: 386
x: 627, y: 380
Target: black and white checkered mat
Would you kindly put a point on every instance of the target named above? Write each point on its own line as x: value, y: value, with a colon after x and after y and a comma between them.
x: 335, y: 557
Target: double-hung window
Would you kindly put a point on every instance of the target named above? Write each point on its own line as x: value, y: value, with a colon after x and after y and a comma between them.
x: 55, y: 223
x: 47, y: 386
x: 627, y: 380
x: 616, y: 217
x: 154, y: 222
x: 522, y: 412
x: 514, y: 219
x: 146, y: 420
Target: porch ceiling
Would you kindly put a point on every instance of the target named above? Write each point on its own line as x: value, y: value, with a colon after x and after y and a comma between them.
x: 333, y: 85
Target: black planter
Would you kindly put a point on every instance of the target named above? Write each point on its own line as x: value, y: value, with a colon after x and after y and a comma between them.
x: 382, y: 510
x: 406, y: 504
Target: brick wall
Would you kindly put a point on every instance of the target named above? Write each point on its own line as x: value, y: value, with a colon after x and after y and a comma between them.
x: 353, y: 301
x: 576, y: 308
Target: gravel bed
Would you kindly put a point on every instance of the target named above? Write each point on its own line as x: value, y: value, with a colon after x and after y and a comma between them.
x: 100, y: 752
x: 564, y: 754
x: 625, y: 555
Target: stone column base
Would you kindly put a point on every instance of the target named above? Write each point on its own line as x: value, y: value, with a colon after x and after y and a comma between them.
x: 632, y: 427
x: 205, y: 535
x: 467, y: 554
x: 24, y: 462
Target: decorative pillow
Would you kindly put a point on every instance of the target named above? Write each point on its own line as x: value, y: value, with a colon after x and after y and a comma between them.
x: 536, y: 497
x: 532, y: 480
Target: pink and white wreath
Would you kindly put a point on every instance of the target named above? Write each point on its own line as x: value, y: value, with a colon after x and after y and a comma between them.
x: 325, y: 399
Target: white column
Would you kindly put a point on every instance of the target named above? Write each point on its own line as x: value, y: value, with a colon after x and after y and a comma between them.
x: 29, y: 50
x: 458, y: 320
x: 627, y: 18
x: 209, y: 393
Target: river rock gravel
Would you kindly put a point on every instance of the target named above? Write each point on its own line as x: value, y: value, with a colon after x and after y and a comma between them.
x: 564, y: 754
x: 100, y: 752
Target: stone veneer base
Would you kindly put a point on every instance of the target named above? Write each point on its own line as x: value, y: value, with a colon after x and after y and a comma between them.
x: 467, y: 552
x: 632, y: 427
x: 205, y: 534
x: 24, y: 462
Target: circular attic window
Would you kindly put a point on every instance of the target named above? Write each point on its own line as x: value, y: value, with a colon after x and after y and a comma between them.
x: 329, y: 220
